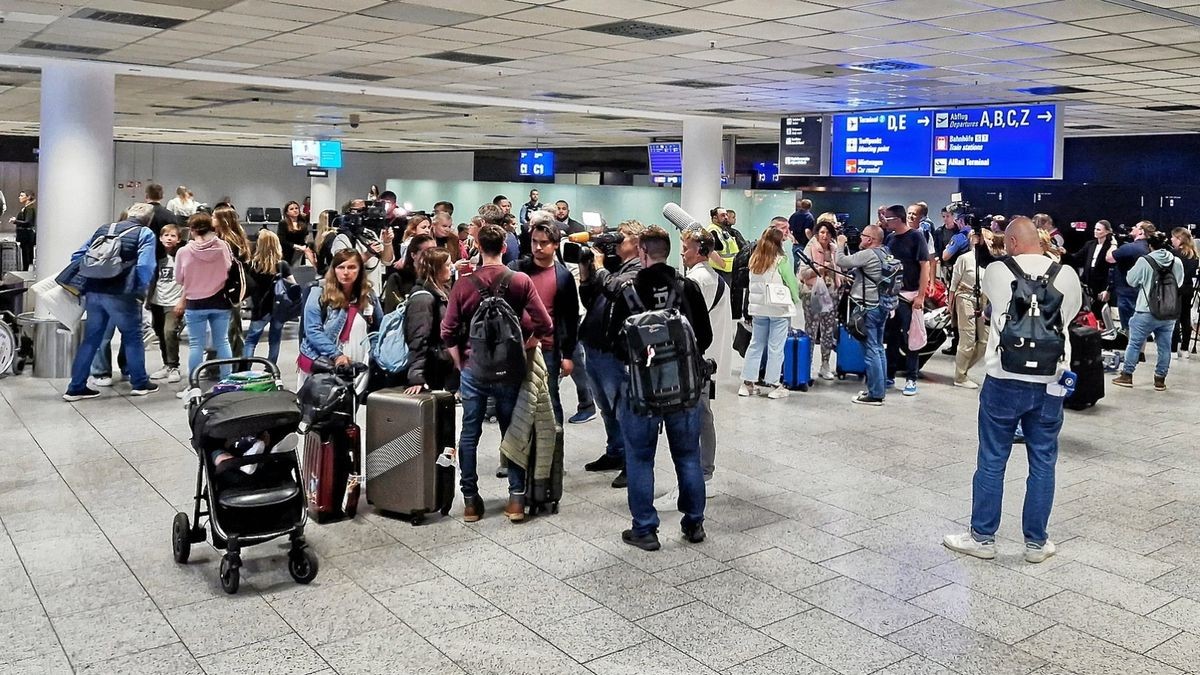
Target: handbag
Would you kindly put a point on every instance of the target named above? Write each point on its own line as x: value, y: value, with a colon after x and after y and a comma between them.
x: 741, y: 338
x: 779, y: 295
x: 917, y: 337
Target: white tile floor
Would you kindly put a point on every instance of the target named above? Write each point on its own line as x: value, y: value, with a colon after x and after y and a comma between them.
x: 823, y: 555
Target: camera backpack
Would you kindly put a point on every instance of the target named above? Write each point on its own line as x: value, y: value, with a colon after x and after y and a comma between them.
x: 1032, y: 340
x: 666, y: 369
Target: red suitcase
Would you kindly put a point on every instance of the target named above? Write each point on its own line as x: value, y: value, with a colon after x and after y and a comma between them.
x: 331, y: 473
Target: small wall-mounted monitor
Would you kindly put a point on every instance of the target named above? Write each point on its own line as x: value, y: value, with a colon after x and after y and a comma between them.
x: 536, y: 164
x: 767, y: 173
x: 314, y: 153
x: 666, y: 159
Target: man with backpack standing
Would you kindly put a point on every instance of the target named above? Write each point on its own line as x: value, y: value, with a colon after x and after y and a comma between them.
x: 492, y: 317
x: 866, y: 293
x: 116, y: 265
x: 1122, y: 259
x: 663, y: 393
x: 1157, y: 278
x: 1033, y: 301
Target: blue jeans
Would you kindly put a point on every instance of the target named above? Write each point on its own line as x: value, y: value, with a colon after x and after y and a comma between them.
x: 608, y: 377
x: 553, y: 371
x: 580, y: 377
x: 769, y: 336
x: 474, y: 404
x: 125, y: 312
x: 1003, y: 404
x: 200, y: 323
x: 1141, y: 326
x: 1126, y: 307
x: 274, y: 337
x: 874, y: 353
x: 641, y: 442
x: 102, y: 363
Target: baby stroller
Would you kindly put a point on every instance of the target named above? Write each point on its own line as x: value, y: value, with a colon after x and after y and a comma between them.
x: 252, y: 498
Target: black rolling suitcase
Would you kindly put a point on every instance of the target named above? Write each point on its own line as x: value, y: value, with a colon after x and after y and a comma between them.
x: 406, y: 435
x: 1088, y: 364
x: 543, y: 495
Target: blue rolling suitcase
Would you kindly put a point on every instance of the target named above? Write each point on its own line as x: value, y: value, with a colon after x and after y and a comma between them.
x: 797, y: 362
x: 851, y: 355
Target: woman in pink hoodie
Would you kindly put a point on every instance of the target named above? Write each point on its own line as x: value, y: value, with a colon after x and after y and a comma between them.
x: 201, y: 268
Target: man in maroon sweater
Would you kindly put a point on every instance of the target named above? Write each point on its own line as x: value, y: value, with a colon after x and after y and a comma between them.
x: 535, y: 324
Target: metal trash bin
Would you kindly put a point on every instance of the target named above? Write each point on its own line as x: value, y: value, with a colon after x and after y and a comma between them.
x: 54, y: 346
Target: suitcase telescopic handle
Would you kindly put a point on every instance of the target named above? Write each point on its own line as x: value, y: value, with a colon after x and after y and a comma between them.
x: 242, y: 363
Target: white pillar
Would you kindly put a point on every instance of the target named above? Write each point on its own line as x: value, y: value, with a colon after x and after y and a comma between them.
x: 75, y: 162
x: 701, y: 189
x: 322, y: 194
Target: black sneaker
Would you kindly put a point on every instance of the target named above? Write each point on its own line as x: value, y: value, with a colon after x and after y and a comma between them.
x: 693, y: 533
x: 144, y: 391
x: 646, y: 542
x: 72, y: 396
x: 864, y: 398
x: 622, y: 480
x: 502, y: 471
x: 605, y: 463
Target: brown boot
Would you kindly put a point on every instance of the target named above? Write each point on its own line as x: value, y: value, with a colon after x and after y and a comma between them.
x: 515, y: 510
x: 1124, y: 380
x: 473, y: 510
x: 1160, y: 383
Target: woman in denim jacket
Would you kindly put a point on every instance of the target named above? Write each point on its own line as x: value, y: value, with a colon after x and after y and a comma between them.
x: 338, y: 319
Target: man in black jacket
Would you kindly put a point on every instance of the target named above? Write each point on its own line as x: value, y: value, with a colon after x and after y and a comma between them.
x: 656, y: 284
x: 599, y: 289
x: 556, y: 287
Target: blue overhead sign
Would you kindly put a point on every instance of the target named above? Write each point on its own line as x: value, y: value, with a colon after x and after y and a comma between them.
x: 1016, y: 141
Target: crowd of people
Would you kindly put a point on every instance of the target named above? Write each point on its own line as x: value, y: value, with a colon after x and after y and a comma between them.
x: 572, y: 314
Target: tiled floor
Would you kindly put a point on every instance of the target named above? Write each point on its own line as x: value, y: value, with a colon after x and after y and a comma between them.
x: 823, y: 555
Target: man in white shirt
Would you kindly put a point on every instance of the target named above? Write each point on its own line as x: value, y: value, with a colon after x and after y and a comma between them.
x: 1010, y: 397
x: 697, y: 244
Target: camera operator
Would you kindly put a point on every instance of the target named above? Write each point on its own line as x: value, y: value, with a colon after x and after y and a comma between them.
x: 655, y: 286
x: 1122, y: 260
x: 599, y: 288
x: 376, y: 249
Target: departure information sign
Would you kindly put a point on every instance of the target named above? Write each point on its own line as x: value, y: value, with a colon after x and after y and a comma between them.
x: 800, y: 145
x: 1017, y: 141
x: 536, y: 163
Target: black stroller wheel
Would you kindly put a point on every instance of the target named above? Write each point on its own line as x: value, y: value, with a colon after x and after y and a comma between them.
x: 302, y: 565
x: 181, y: 542
x: 230, y: 574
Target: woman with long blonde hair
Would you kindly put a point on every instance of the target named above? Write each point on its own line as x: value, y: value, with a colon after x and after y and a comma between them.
x: 1185, y: 250
x: 338, y: 319
x: 229, y: 230
x: 265, y: 268
x: 773, y: 298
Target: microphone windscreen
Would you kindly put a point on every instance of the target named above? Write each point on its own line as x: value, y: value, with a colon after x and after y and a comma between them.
x: 681, y: 219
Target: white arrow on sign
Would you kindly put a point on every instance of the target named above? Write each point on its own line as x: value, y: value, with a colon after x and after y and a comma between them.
x: 1046, y: 116
x: 924, y: 121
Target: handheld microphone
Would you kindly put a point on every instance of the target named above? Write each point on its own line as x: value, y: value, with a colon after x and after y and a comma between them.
x: 682, y: 220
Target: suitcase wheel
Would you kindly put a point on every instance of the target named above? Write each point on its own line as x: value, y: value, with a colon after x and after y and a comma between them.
x: 803, y: 387
x: 554, y: 507
x: 840, y: 375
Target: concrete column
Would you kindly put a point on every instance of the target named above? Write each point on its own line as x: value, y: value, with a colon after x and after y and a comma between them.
x: 701, y: 189
x: 75, y: 163
x: 323, y: 194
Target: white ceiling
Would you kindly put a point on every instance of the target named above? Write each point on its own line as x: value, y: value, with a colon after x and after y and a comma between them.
x: 762, y: 58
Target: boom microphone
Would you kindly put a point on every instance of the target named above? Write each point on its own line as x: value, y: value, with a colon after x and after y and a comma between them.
x: 682, y: 220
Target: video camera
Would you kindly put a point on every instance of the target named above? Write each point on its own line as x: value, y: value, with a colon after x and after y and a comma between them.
x: 962, y: 210
x: 580, y: 248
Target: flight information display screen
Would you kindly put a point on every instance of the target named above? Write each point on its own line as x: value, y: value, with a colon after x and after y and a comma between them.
x: 666, y: 159
x: 536, y: 163
x: 801, y: 147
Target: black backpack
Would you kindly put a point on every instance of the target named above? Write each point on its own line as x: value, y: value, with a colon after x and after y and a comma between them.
x: 497, y: 344
x: 666, y: 369
x: 236, y: 285
x: 1163, y: 296
x: 1032, y: 341
x: 740, y: 282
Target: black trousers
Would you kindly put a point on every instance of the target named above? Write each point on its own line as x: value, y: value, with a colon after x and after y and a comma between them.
x: 1182, y: 337
x: 27, y: 238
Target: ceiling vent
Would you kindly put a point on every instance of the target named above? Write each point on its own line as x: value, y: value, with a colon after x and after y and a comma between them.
x: 694, y: 84
x: 18, y: 69
x: 640, y: 30
x: 268, y: 90
x: 128, y: 19
x: 1054, y: 90
x: 57, y: 47
x: 1086, y: 127
x: 1180, y: 107
x: 458, y: 106
x: 462, y: 57
x: 362, y: 77
x: 606, y: 117
x: 826, y: 71
x: 560, y: 95
x: 886, y: 66
x: 723, y: 111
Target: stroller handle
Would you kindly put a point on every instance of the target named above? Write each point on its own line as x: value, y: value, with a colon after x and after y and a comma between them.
x: 242, y: 362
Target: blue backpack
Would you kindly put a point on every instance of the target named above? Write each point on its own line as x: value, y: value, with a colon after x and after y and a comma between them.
x: 389, y: 348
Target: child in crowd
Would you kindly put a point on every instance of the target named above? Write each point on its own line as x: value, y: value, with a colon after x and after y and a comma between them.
x: 164, y: 300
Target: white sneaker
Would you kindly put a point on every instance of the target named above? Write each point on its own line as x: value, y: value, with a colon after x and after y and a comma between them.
x: 103, y: 381
x: 966, y: 384
x: 825, y: 374
x: 778, y: 391
x: 669, y: 501
x: 1036, y: 554
x: 966, y: 543
x: 173, y: 376
x: 747, y: 390
x: 186, y: 393
x: 160, y: 374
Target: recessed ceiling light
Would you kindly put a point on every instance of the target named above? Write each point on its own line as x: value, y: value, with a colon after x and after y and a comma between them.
x: 1054, y: 90
x: 639, y: 29
x: 886, y: 66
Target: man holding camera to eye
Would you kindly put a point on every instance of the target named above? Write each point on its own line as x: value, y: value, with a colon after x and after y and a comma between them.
x: 599, y: 290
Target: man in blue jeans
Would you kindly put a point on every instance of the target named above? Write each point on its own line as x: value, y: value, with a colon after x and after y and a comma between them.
x: 867, y: 264
x: 456, y: 323
x: 656, y: 285
x: 1007, y: 399
x: 598, y: 290
x: 117, y: 299
x: 1143, y: 323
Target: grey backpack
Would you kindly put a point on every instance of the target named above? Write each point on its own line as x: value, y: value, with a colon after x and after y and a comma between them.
x: 102, y: 260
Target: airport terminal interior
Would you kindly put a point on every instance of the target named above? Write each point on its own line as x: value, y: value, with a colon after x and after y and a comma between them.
x: 832, y: 538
